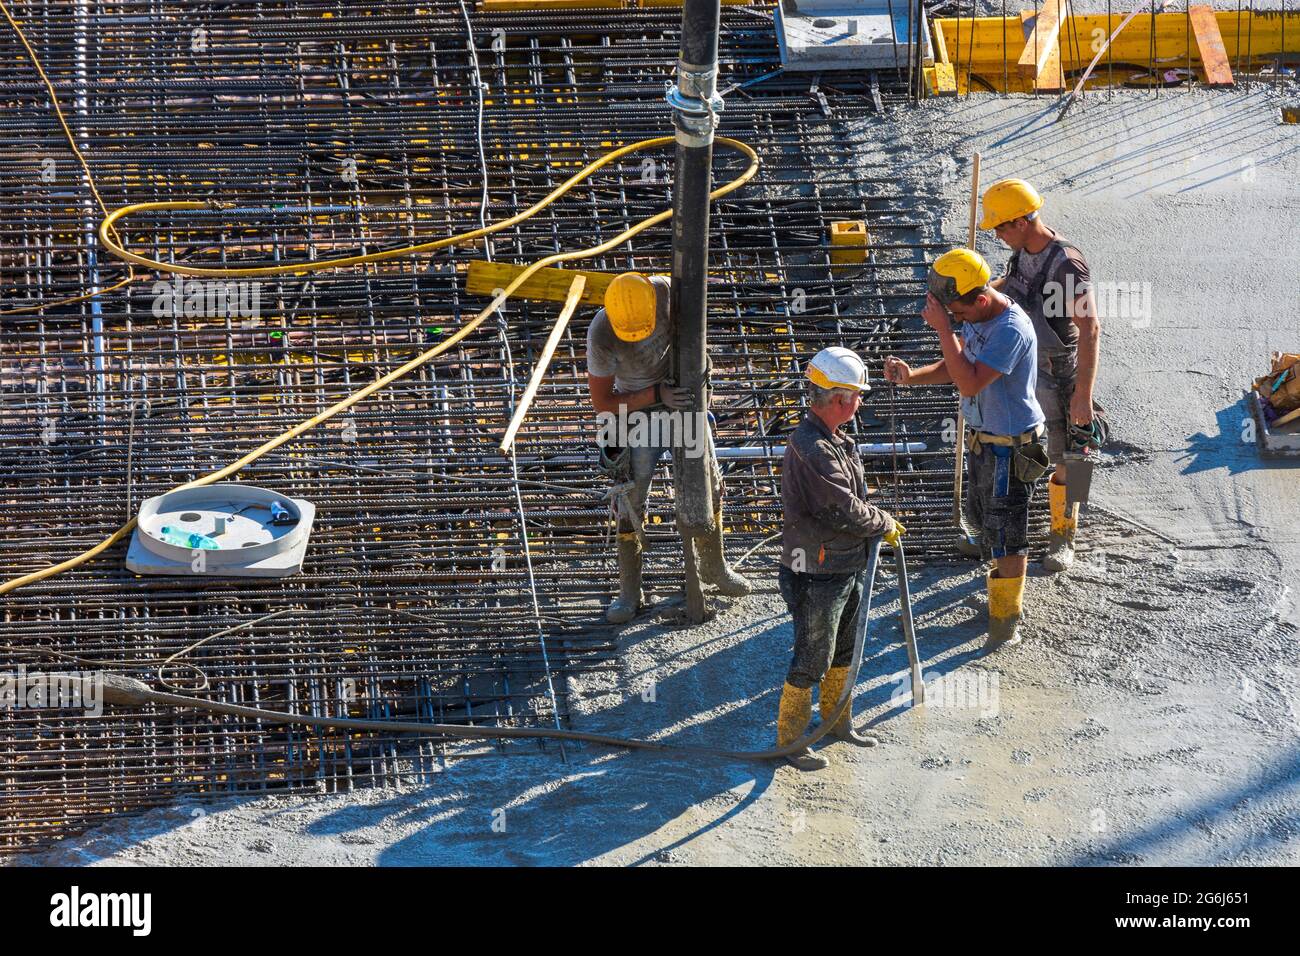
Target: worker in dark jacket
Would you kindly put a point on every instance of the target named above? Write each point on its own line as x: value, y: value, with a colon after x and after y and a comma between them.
x: 827, y: 522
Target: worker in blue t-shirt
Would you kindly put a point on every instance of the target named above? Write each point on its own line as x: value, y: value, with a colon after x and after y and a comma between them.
x: 994, y: 366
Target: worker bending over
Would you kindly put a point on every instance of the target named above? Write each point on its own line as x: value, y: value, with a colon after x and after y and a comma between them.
x: 1049, y: 279
x: 827, y: 522
x: 993, y: 365
x: 628, y: 346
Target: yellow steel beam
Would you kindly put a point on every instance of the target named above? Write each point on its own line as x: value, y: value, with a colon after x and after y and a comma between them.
x: 991, y: 47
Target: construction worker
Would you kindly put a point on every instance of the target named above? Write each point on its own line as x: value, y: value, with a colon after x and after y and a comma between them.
x: 628, y: 346
x: 994, y: 366
x: 1049, y: 278
x: 827, y: 522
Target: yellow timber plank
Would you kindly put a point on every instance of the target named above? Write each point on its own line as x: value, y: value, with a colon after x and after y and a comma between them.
x: 547, y: 285
x: 1046, y: 70
x: 945, y: 80
x: 1040, y: 39
x: 1214, y: 58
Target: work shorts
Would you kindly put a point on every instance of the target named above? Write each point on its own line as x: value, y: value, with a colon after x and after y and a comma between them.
x: 825, y: 612
x: 998, y: 502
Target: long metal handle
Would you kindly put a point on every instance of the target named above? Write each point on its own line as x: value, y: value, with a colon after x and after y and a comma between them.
x: 960, y: 456
x: 909, y: 628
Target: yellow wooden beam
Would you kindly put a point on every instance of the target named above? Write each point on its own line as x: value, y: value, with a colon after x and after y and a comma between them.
x: 546, y: 285
x: 1044, y: 62
x: 1209, y: 41
x: 1040, y: 39
x: 944, y: 80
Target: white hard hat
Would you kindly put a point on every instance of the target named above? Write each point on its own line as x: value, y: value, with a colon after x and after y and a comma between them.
x: 838, y: 367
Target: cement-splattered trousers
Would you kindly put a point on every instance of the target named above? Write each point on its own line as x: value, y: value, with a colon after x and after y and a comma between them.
x: 824, y: 609
x: 827, y: 523
x: 643, y: 459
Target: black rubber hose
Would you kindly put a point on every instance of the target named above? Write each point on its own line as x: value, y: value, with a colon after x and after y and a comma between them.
x: 127, y: 691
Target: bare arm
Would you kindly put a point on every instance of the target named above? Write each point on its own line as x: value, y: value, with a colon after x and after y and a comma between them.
x: 971, y: 378
x: 898, y: 372
x: 606, y: 398
x: 1083, y: 312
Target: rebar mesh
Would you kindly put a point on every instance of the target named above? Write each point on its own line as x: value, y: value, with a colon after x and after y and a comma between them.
x: 337, y: 128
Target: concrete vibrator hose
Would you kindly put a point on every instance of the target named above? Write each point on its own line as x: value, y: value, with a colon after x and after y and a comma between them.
x: 128, y: 691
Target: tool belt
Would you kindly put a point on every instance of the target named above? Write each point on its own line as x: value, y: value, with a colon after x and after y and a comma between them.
x: 1029, y: 460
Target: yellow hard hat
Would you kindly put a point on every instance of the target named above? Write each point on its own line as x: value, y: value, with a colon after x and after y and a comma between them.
x: 630, y: 304
x: 1009, y: 199
x: 957, y: 272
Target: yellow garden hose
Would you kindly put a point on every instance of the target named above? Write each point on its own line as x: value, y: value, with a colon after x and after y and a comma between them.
x: 90, y: 179
x: 108, y: 233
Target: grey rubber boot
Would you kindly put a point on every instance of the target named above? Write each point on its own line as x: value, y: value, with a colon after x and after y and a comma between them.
x: 629, y: 600
x: 967, y: 545
x: 713, y: 563
x: 1060, y: 552
x: 807, y: 760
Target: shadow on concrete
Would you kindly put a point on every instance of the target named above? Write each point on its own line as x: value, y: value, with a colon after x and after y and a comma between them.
x: 1169, y: 837
x: 548, y: 813
x: 1235, y: 448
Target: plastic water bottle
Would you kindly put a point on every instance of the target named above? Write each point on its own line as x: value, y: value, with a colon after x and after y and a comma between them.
x: 187, y: 539
x: 280, y: 515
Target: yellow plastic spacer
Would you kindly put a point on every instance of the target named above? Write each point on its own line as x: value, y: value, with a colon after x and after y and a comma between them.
x: 849, y: 242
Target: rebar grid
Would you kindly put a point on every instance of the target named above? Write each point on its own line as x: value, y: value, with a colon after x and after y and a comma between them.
x: 414, y: 599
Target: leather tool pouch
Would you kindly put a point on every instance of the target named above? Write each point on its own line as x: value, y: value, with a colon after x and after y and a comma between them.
x: 1030, y: 462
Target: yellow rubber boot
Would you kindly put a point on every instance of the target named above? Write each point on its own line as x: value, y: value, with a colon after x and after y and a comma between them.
x: 832, y: 687
x: 1005, y: 602
x: 791, y: 721
x: 1060, y: 546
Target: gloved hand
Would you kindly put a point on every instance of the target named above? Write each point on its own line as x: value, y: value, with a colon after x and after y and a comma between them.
x: 673, y: 397
x: 896, y: 532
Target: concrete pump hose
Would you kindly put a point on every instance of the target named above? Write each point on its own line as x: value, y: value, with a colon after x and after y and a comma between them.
x: 127, y: 691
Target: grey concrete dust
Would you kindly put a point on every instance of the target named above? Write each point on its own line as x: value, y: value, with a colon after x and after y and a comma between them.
x: 1151, y: 715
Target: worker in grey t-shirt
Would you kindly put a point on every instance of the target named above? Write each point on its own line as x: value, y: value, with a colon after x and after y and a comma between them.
x: 628, y: 346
